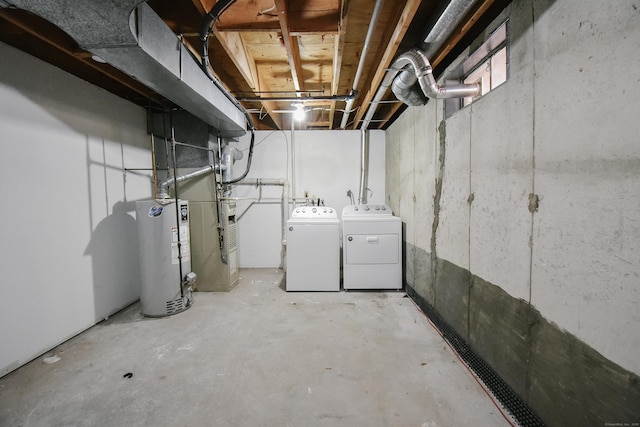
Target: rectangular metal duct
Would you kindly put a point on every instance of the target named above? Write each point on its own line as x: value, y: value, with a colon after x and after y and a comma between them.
x: 130, y: 36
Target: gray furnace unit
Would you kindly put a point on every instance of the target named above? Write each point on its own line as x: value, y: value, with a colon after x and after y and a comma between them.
x: 230, y: 241
x: 165, y: 257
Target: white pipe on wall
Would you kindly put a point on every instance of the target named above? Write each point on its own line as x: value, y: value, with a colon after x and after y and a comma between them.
x: 293, y: 164
x: 364, y: 166
x: 284, y: 200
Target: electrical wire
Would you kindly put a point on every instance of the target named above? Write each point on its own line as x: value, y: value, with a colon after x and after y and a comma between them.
x: 205, y: 31
x: 286, y: 141
x: 246, y: 171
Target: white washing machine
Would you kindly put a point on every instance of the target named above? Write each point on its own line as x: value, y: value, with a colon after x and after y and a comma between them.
x: 371, y: 248
x: 313, y: 249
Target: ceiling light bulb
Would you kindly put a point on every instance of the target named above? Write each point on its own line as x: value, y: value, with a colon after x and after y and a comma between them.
x: 299, y: 114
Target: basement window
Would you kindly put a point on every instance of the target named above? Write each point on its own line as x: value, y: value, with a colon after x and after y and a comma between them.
x: 488, y: 65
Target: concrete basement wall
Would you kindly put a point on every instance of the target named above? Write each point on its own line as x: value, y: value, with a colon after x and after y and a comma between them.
x: 548, y: 297
x: 69, y: 253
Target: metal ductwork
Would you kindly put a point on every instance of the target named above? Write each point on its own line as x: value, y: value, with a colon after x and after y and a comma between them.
x: 163, y: 191
x: 130, y: 36
x: 418, y: 62
x: 418, y: 65
x: 230, y: 155
x: 414, y: 66
x: 455, y: 11
x: 405, y: 88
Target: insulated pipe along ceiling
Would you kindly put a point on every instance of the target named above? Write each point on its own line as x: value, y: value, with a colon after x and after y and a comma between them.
x: 446, y: 23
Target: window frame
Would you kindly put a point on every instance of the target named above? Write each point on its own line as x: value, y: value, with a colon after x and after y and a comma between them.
x: 494, y: 44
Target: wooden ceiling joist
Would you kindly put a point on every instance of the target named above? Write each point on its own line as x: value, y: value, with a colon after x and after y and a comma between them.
x: 277, y: 46
x: 291, y: 44
x: 409, y: 11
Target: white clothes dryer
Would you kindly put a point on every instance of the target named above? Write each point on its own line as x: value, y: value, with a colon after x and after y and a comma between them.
x: 371, y: 248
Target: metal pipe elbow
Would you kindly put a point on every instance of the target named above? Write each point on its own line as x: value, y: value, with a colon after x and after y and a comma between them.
x: 424, y: 74
x: 405, y: 88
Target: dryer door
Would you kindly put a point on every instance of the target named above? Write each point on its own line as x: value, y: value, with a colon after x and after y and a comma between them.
x: 371, y: 248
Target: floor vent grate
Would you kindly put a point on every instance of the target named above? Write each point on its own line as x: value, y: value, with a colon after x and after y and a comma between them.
x: 175, y: 306
x: 496, y: 385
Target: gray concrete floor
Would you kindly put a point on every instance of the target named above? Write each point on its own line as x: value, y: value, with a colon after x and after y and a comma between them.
x: 256, y: 356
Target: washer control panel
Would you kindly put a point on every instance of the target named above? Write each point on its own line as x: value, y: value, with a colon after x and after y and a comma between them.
x: 366, y: 210
x: 315, y: 212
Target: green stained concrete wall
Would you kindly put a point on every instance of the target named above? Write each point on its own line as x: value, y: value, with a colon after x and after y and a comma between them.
x: 562, y: 379
x: 548, y: 297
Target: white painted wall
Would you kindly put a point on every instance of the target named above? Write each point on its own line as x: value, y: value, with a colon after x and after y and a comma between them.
x: 327, y: 164
x: 69, y: 253
x: 564, y: 126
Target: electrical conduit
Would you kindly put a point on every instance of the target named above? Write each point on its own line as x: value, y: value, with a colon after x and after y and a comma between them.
x: 365, y: 49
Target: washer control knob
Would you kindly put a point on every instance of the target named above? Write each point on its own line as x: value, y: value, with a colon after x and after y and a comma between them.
x: 377, y: 208
x: 304, y: 211
x: 350, y: 239
x: 355, y: 209
x: 366, y: 208
x: 384, y: 208
x: 314, y: 210
x: 290, y: 228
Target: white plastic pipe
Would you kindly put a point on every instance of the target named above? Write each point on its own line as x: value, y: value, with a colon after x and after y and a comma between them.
x: 284, y: 201
x: 364, y: 166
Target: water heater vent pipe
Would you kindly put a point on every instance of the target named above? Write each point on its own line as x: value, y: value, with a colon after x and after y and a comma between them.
x: 164, y: 185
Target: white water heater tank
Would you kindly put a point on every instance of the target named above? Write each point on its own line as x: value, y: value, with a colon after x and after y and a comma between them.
x: 165, y: 257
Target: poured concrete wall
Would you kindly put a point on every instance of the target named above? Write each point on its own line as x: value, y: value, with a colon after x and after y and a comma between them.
x: 69, y: 252
x: 548, y: 297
